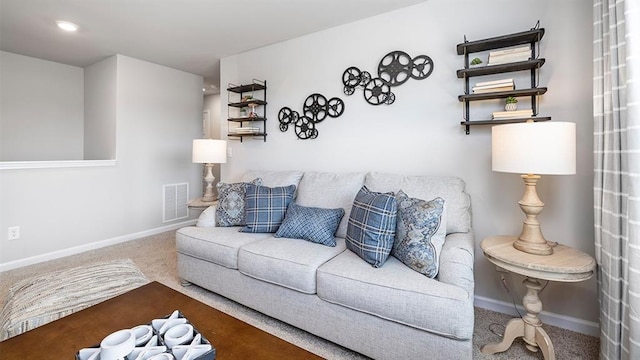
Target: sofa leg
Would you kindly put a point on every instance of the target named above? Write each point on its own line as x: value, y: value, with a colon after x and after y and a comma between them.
x: 185, y: 283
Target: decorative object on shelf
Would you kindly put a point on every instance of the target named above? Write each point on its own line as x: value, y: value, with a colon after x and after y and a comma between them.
x: 250, y: 100
x: 315, y: 109
x: 517, y: 52
x: 209, y: 152
x: 532, y: 148
x: 476, y: 62
x: 511, y: 104
x: 394, y: 69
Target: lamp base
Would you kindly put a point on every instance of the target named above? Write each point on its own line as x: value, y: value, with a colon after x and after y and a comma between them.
x: 533, y: 248
x: 209, y: 179
x: 531, y: 239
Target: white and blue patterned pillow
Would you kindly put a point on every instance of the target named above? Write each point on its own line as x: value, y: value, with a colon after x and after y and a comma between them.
x: 420, y: 233
x: 311, y: 223
x: 231, y: 204
x: 372, y: 226
x: 266, y: 207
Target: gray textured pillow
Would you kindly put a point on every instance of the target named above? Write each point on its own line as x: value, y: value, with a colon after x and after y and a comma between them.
x: 420, y: 233
x: 231, y: 203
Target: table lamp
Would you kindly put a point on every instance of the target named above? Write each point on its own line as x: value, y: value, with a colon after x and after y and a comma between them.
x: 532, y: 149
x: 209, y: 152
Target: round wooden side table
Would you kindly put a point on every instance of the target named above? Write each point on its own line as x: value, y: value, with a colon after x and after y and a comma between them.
x: 564, y: 265
x: 198, y: 204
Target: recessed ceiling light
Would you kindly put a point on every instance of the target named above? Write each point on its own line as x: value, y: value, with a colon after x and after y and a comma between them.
x: 67, y: 26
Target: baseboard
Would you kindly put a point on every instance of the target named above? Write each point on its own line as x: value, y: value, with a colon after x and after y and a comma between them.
x: 92, y: 246
x: 561, y: 321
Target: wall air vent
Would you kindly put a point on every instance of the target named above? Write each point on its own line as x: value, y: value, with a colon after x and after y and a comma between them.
x: 174, y: 202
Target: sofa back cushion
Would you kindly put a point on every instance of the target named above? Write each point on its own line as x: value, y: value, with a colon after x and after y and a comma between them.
x: 274, y: 178
x: 329, y: 191
x: 450, y: 188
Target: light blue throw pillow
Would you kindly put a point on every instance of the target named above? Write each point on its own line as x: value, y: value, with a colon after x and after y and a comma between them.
x: 372, y: 226
x: 266, y: 207
x: 420, y: 233
x: 230, y: 208
x: 311, y: 223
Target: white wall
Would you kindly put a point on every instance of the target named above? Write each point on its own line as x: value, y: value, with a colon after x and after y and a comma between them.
x: 100, y: 110
x: 211, y: 129
x: 212, y: 104
x: 41, y: 117
x: 158, y: 112
x: 420, y: 132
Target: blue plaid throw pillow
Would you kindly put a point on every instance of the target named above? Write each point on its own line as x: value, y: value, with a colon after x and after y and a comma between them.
x: 420, y: 233
x: 372, y: 226
x: 265, y: 207
x: 311, y: 223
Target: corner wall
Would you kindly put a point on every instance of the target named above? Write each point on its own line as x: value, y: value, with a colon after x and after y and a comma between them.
x: 41, y: 116
x: 420, y: 132
x: 100, y: 109
x: 66, y: 210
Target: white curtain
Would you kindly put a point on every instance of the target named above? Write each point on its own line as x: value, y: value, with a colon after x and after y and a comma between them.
x: 616, y: 107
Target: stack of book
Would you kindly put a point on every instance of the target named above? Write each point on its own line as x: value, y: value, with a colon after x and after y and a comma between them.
x: 493, y: 86
x: 521, y: 53
x: 501, y: 115
x: 246, y: 130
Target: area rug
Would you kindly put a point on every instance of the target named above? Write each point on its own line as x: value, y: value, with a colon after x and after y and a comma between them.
x: 38, y: 300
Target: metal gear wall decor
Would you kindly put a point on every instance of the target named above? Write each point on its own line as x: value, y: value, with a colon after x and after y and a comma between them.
x: 315, y: 109
x: 394, y: 69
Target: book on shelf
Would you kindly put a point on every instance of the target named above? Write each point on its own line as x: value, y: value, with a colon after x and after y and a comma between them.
x: 492, y: 89
x: 512, y: 114
x: 246, y: 130
x: 498, y: 85
x: 509, y: 58
x: 515, y: 50
x: 494, y: 82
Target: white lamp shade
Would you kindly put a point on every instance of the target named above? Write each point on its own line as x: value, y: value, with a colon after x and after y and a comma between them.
x: 534, y: 148
x: 209, y: 151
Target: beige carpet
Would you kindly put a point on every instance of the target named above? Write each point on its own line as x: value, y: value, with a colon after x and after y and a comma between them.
x: 156, y: 257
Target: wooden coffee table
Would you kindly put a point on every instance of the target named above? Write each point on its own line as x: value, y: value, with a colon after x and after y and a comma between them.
x: 232, y: 338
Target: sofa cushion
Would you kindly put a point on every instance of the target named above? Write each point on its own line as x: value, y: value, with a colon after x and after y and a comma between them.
x: 310, y: 223
x: 266, y: 207
x: 217, y: 245
x: 274, y: 178
x: 286, y: 262
x: 420, y: 232
x: 451, y: 189
x: 372, y: 226
x: 330, y: 191
x: 231, y: 204
x: 397, y: 293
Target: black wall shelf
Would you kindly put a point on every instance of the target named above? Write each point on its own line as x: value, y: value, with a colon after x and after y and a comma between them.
x: 257, y: 91
x: 502, y: 68
x: 502, y: 94
x: 521, y: 38
x: 533, y: 65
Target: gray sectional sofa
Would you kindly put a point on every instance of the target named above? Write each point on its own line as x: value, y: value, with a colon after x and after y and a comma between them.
x: 390, y: 312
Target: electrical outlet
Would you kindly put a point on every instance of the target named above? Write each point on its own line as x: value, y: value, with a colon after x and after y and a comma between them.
x: 13, y: 233
x: 229, y: 152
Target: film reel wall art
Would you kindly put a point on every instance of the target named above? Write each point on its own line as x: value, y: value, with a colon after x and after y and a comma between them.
x: 316, y: 109
x: 394, y: 69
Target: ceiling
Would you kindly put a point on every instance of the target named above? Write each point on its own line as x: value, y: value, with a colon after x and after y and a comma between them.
x: 188, y: 35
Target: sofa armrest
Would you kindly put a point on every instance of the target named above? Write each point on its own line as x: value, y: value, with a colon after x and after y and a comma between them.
x: 208, y: 217
x: 456, y: 261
